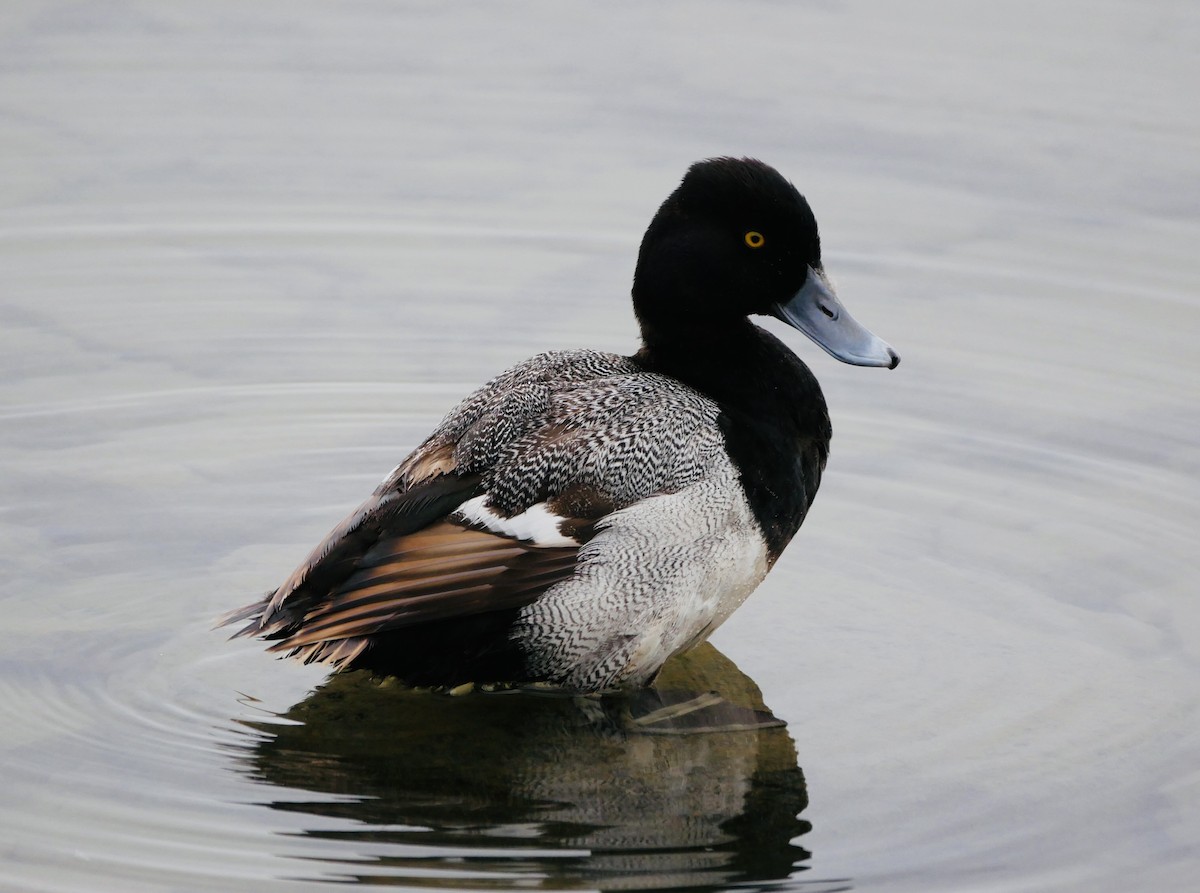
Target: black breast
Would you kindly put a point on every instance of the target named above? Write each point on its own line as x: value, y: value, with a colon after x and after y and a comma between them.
x: 773, y: 418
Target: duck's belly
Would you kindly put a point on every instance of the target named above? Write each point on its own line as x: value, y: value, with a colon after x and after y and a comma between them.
x: 658, y: 578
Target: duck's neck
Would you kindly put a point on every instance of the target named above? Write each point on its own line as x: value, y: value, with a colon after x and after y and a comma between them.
x: 741, y: 367
x: 773, y: 414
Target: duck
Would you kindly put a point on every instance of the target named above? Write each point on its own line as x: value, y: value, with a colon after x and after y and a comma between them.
x: 584, y: 516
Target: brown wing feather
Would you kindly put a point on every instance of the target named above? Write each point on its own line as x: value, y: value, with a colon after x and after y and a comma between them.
x: 394, y: 509
x: 442, y: 571
x: 393, y: 563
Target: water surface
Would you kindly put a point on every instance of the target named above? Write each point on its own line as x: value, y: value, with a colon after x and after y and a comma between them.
x: 249, y: 255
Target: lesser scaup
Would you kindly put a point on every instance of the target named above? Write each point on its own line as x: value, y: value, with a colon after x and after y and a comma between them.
x: 584, y: 516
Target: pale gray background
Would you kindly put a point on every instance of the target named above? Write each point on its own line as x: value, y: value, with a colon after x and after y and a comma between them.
x: 250, y: 252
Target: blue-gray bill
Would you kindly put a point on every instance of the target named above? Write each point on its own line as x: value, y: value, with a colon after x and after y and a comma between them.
x: 816, y: 311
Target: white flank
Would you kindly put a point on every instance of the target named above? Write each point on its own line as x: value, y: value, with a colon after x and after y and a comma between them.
x: 536, y: 525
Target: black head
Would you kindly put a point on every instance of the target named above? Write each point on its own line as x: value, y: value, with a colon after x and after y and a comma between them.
x: 734, y: 239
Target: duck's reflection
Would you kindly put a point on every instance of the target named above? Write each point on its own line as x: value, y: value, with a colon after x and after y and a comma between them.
x: 664, y: 789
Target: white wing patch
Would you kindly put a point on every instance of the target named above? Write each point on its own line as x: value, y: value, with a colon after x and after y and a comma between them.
x: 536, y: 525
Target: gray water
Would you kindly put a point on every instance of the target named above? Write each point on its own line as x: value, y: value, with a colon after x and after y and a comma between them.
x: 250, y: 253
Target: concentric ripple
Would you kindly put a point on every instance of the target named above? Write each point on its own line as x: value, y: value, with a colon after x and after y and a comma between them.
x: 955, y: 628
x: 983, y: 640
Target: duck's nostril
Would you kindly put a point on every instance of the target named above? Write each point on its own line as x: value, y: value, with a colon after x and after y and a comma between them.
x: 828, y: 312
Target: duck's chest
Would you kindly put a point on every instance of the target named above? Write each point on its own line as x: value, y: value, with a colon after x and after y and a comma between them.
x: 779, y: 457
x: 772, y: 417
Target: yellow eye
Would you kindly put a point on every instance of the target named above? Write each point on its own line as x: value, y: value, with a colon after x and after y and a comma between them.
x: 755, y: 239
